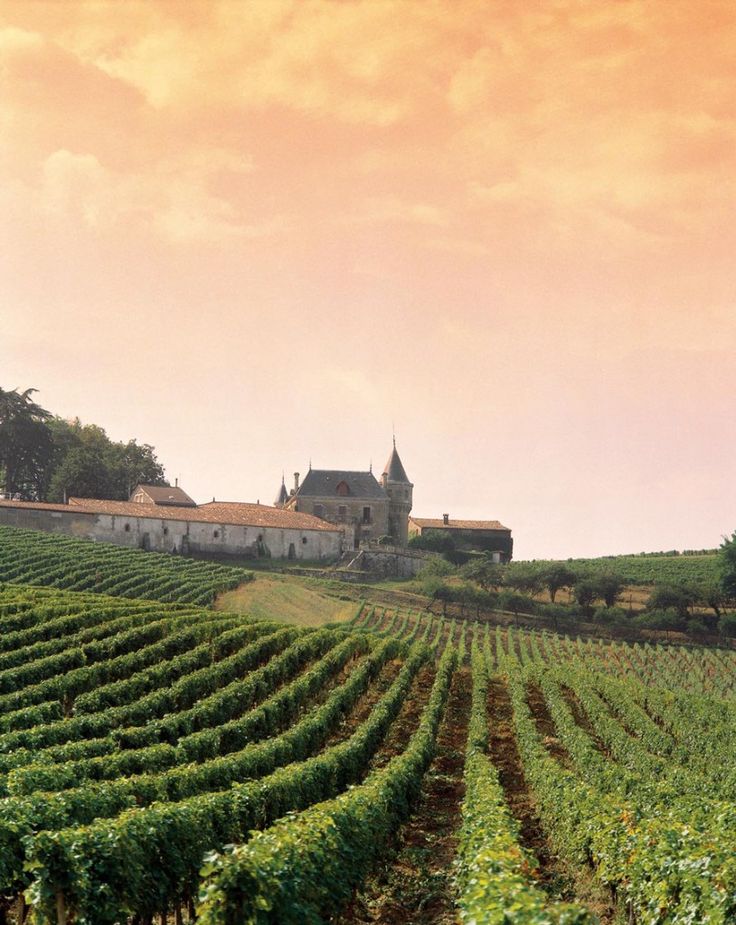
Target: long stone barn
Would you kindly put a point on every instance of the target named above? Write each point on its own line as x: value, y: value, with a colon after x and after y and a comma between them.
x: 224, y: 528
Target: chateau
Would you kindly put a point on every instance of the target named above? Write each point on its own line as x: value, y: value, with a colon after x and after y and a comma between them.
x: 331, y: 512
x: 364, y: 508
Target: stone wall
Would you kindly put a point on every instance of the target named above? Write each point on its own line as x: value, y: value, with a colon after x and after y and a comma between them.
x: 352, y: 523
x: 184, y: 536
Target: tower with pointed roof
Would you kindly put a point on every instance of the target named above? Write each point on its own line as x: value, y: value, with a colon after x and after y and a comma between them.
x: 363, y: 507
x: 395, y: 482
x: 283, y: 495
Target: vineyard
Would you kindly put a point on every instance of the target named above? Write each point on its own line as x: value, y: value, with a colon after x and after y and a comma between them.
x: 30, y: 557
x: 646, y: 570
x: 164, y: 762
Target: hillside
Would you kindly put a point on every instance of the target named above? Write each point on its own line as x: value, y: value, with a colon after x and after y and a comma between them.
x: 181, y: 763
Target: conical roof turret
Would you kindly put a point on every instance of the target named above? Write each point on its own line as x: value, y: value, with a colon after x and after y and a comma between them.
x: 283, y: 495
x: 394, y: 468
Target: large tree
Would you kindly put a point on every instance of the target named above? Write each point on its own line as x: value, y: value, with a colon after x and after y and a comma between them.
x: 90, y: 465
x: 26, y: 446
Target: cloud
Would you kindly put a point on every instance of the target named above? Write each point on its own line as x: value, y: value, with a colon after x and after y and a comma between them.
x: 14, y: 40
x: 174, y: 202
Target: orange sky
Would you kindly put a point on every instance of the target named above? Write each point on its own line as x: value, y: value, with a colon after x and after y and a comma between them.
x: 252, y: 232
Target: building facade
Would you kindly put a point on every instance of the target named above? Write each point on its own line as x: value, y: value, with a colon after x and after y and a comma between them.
x: 469, y: 535
x: 364, y: 509
x: 221, y: 528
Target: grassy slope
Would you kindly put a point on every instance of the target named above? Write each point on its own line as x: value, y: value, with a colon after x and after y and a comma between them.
x: 287, y: 598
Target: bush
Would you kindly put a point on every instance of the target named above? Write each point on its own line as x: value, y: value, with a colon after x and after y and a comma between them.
x: 667, y: 619
x: 727, y: 625
x: 609, y: 616
x: 516, y: 603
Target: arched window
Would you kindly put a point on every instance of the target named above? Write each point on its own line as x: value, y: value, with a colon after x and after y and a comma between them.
x: 342, y: 489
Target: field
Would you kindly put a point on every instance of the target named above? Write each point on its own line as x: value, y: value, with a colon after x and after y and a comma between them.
x: 168, y: 762
x: 646, y: 570
x: 287, y: 599
x: 29, y: 557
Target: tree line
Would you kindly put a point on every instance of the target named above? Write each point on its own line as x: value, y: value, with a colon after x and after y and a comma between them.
x: 704, y: 606
x: 47, y: 458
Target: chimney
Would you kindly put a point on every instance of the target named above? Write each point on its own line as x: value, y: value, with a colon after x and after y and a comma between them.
x: 296, y: 482
x: 445, y: 519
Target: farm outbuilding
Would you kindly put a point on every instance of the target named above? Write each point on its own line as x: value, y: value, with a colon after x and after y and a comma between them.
x: 223, y: 528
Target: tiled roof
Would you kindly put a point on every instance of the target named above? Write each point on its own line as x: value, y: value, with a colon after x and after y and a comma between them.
x: 322, y: 483
x: 166, y: 494
x: 221, y: 512
x: 437, y: 523
x: 394, y: 468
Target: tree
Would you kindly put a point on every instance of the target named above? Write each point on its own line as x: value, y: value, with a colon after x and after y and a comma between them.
x: 679, y: 598
x: 727, y: 565
x: 610, y: 586
x: 83, y: 474
x: 555, y: 576
x: 525, y: 578
x: 484, y: 572
x: 711, y: 594
x: 586, y: 593
x: 89, y: 465
x: 25, y: 444
x: 516, y: 603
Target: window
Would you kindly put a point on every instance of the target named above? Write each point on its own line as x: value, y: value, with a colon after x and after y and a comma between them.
x: 166, y: 531
x: 127, y: 528
x: 366, y: 515
x: 304, y: 540
x: 342, y: 514
x: 342, y: 489
x: 319, y: 510
x: 216, y: 534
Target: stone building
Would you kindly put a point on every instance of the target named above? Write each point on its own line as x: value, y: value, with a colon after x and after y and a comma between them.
x: 219, y: 528
x: 364, y: 508
x: 469, y: 535
x: 162, y: 494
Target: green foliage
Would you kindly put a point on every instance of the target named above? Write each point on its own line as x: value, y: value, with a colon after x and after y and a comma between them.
x: 28, y: 556
x: 646, y: 569
x: 433, y: 541
x: 727, y: 566
x: 555, y: 576
x: 305, y: 867
x: 26, y: 448
x: 491, y: 867
x: 524, y: 577
x: 44, y: 458
x: 484, y: 572
x: 679, y: 598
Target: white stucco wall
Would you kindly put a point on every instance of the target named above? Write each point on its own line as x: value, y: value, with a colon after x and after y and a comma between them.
x: 164, y: 535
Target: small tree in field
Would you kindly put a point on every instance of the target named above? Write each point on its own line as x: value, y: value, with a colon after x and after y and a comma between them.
x: 610, y: 586
x: 557, y: 576
x: 525, y: 578
x: 484, y: 572
x: 586, y: 593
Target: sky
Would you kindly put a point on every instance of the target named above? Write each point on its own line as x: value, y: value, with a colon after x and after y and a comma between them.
x: 255, y: 233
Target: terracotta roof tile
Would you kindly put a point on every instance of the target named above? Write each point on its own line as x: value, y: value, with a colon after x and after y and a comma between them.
x: 223, y: 512
x: 437, y: 523
x: 166, y: 494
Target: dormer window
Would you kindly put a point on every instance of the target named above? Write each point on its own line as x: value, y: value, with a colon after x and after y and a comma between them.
x: 342, y: 489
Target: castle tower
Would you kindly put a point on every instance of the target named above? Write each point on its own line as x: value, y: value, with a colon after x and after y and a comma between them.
x: 399, y: 489
x: 283, y: 495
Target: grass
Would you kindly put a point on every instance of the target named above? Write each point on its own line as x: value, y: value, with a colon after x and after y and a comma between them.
x: 289, y: 599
